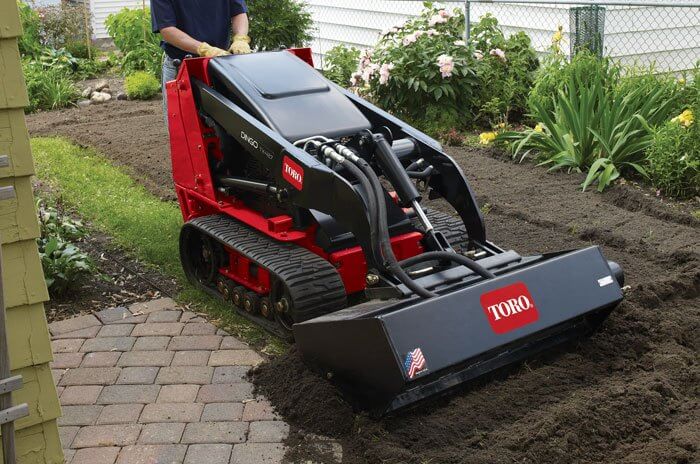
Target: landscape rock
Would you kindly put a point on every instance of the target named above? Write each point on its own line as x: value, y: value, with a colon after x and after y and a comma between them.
x: 100, y: 97
x: 84, y: 103
x: 101, y: 84
x: 87, y: 92
x: 121, y: 96
x: 107, y: 90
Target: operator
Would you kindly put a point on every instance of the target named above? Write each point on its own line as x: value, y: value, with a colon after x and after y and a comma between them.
x: 198, y: 27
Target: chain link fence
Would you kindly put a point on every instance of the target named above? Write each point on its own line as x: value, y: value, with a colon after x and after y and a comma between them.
x: 663, y: 35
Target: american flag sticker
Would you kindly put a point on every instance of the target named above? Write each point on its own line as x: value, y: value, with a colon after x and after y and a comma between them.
x: 414, y: 363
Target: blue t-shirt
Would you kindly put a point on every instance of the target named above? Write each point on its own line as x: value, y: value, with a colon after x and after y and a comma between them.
x: 205, y: 20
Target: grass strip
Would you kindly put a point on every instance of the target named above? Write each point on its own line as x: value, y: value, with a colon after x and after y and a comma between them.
x: 138, y: 221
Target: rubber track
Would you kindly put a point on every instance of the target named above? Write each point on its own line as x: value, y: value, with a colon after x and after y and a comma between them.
x: 313, y: 283
x: 451, y: 227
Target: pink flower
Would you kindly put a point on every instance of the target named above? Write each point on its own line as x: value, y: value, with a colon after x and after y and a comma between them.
x: 478, y: 55
x: 410, y: 38
x: 499, y: 53
x: 436, y: 19
x: 445, y: 14
x: 431, y: 32
x: 355, y: 79
x: 365, y: 58
x: 446, y: 64
x: 384, y: 73
x: 369, y: 72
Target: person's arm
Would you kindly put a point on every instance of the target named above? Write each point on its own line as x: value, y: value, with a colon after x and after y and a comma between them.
x: 239, y: 24
x: 180, y: 39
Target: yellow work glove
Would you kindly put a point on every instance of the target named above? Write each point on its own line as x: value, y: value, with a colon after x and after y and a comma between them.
x: 207, y: 50
x: 240, y: 45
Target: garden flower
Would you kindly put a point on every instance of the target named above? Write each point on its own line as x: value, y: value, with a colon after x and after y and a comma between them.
x: 369, y: 72
x: 499, y: 53
x: 478, y: 55
x: 460, y: 43
x: 487, y: 137
x: 681, y: 81
x: 384, y: 72
x: 558, y: 36
x: 409, y: 39
x: 431, y: 32
x: 445, y: 14
x: 686, y: 118
x: 436, y: 19
x: 365, y: 58
x: 539, y: 127
x: 446, y: 64
x: 355, y: 78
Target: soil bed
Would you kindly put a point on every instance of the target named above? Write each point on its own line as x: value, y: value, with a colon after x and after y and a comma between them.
x: 627, y: 394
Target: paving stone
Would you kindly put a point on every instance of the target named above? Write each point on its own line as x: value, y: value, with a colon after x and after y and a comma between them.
x: 79, y: 415
x: 67, y: 435
x: 230, y: 374
x: 222, y: 412
x: 80, y: 395
x: 108, y: 344
x: 171, y: 412
x: 67, y: 345
x: 137, y: 375
x: 148, y: 307
x: 191, y: 358
x: 195, y: 342
x: 258, y: 453
x: 57, y: 375
x: 116, y: 330
x: 73, y: 324
x: 68, y: 455
x: 162, y: 433
x: 235, y: 358
x: 178, y: 394
x: 232, y: 343
x: 215, y: 432
x: 155, y: 329
x: 199, y: 328
x: 151, y: 344
x: 145, y: 358
x: 221, y: 332
x: 87, y: 332
x: 131, y: 320
x: 259, y: 410
x: 120, y: 414
x: 268, y: 432
x: 106, y: 435
x: 107, y: 316
x: 187, y: 316
x: 152, y: 454
x: 164, y: 316
x: 90, y: 376
x: 125, y: 394
x: 198, y: 375
x: 211, y: 454
x: 103, y: 455
x: 224, y: 393
x: 66, y: 360
x: 101, y: 359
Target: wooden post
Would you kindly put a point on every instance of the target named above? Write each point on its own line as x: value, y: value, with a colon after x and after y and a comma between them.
x: 86, y: 17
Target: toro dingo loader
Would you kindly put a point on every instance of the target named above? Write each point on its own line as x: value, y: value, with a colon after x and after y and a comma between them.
x: 303, y: 207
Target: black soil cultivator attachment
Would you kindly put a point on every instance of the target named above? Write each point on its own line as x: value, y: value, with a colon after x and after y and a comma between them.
x: 282, y: 180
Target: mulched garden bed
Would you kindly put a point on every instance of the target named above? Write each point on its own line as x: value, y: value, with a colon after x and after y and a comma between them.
x: 627, y: 394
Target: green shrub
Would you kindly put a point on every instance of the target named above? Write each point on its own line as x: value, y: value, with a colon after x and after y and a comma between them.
x: 131, y: 32
x: 422, y: 65
x: 340, y: 62
x: 48, y: 88
x: 63, y: 262
x: 62, y: 24
x: 278, y: 23
x: 674, y: 159
x: 80, y: 49
x: 30, y: 41
x: 141, y: 86
x: 595, y: 125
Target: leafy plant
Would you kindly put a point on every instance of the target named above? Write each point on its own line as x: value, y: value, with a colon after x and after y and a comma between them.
x: 141, y: 86
x: 30, y: 41
x: 279, y: 23
x: 131, y: 31
x: 80, y: 49
x: 59, y: 60
x: 48, y: 88
x: 340, y: 62
x: 594, y: 126
x: 64, y: 23
x: 63, y: 262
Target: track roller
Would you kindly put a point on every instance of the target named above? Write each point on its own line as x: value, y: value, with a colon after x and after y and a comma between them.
x: 266, y: 309
x: 251, y: 302
x: 237, y: 295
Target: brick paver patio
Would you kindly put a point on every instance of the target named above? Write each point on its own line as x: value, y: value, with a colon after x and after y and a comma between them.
x: 152, y: 384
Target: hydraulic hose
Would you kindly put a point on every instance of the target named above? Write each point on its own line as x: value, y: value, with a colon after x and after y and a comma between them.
x: 449, y: 256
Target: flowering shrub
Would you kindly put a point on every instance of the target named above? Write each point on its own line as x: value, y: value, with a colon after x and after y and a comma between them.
x: 424, y: 71
x: 420, y: 65
x: 340, y: 62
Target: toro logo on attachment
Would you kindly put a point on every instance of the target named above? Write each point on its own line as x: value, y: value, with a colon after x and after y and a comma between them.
x: 292, y: 173
x: 509, y: 308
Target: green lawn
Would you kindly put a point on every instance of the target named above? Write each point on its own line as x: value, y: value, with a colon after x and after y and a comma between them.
x: 138, y: 221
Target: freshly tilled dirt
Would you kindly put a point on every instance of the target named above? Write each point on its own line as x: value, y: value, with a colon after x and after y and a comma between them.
x: 627, y: 394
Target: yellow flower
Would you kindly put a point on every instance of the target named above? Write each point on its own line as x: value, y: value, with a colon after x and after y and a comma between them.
x: 539, y: 127
x: 681, y: 81
x: 501, y: 125
x: 556, y: 38
x: 685, y: 119
x: 487, y: 137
